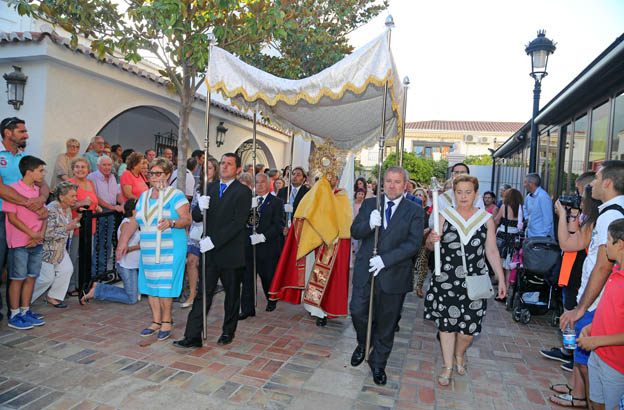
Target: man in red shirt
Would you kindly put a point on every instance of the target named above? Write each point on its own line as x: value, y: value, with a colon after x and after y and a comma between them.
x: 605, y: 335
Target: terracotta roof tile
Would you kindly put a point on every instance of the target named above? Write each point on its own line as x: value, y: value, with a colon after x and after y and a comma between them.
x: 22, y: 37
x: 466, y: 126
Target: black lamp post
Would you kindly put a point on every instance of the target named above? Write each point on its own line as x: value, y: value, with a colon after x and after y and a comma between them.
x: 539, y: 50
x: 16, y: 81
x: 221, y: 130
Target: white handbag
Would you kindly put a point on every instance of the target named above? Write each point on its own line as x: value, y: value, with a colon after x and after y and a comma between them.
x: 478, y: 286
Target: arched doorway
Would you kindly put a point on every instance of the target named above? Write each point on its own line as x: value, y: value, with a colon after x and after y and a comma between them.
x: 263, y: 155
x: 141, y: 127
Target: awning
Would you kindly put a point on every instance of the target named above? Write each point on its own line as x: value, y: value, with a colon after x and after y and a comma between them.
x: 342, y: 104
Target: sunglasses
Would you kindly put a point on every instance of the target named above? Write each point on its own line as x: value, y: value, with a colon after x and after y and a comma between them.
x: 73, y: 146
x: 7, y: 122
x: 155, y: 173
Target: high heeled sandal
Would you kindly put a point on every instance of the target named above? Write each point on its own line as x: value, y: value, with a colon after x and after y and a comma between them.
x: 445, y: 380
x: 148, y: 331
x: 461, y: 369
x: 164, y: 334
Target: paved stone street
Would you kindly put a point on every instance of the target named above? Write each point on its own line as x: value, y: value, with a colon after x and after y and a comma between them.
x: 91, y: 356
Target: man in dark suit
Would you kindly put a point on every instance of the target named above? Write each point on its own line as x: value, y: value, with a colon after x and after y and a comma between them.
x: 297, y: 192
x: 400, y: 236
x: 267, y: 241
x: 227, y: 205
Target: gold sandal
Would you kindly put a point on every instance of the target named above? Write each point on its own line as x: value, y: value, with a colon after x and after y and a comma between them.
x: 461, y: 369
x: 445, y: 380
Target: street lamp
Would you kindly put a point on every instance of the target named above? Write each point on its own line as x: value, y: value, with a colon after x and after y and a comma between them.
x: 221, y: 130
x: 539, y: 50
x: 16, y: 81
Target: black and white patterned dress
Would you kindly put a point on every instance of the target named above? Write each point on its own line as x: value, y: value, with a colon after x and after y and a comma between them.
x: 447, y: 302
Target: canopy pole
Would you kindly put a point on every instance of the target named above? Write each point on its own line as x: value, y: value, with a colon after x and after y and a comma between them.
x: 406, y: 83
x: 255, y: 215
x: 211, y: 42
x: 382, y: 140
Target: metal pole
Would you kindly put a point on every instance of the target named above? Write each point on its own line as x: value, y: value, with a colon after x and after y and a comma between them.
x: 406, y: 83
x: 211, y: 42
x: 292, y: 155
x: 533, y: 154
x: 255, y: 209
x: 382, y: 141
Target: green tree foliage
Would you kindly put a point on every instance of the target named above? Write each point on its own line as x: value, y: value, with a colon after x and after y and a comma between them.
x: 484, y: 159
x: 176, y: 33
x: 420, y: 169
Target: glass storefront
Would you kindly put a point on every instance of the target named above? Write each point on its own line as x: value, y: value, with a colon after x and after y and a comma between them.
x: 599, y: 131
x: 617, y: 151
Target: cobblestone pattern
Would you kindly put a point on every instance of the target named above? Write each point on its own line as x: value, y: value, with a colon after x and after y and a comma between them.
x: 92, y: 357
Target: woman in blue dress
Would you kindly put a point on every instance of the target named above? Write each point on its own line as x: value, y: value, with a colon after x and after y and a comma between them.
x: 160, y: 281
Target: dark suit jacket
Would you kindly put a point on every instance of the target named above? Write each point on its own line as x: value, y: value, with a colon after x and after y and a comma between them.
x: 398, y: 243
x: 271, y: 226
x: 226, y: 219
x: 283, y: 195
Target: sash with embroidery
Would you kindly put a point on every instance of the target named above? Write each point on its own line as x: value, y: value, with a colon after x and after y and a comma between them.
x: 250, y: 220
x: 151, y: 212
x: 465, y: 228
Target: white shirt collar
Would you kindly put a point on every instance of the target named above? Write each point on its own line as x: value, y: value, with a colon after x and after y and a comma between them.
x: 618, y: 199
x: 227, y: 184
x: 396, y: 202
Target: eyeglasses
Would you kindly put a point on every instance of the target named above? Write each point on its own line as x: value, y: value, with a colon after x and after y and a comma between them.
x: 155, y: 173
x: 73, y: 146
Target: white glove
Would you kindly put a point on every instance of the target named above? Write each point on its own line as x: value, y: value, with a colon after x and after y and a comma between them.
x: 288, y: 208
x: 375, y: 219
x: 254, y: 202
x: 206, y: 244
x: 203, y: 202
x: 376, y: 265
x: 257, y: 238
x: 196, y: 232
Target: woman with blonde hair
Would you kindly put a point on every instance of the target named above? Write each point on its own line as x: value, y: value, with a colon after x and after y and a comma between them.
x: 468, y: 237
x: 62, y: 166
x: 160, y: 281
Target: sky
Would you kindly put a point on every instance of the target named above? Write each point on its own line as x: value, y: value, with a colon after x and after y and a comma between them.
x: 466, y: 59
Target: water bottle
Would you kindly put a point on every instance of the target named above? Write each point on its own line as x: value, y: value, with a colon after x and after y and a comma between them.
x: 569, y: 338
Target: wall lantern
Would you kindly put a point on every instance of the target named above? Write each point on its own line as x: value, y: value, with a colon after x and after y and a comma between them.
x: 221, y: 130
x: 16, y: 82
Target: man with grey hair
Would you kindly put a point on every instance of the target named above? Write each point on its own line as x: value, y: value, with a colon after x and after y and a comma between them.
x: 248, y: 168
x: 401, y: 226
x: 269, y: 221
x: 109, y: 197
x: 97, y: 143
x: 538, y: 208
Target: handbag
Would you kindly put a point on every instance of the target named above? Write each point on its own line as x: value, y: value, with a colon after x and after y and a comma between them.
x: 478, y: 286
x: 503, y: 237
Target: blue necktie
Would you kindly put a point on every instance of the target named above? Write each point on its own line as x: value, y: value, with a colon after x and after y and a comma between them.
x: 260, y: 201
x: 222, y: 189
x: 389, y: 212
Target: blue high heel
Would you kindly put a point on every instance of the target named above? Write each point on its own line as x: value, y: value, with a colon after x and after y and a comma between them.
x: 149, y: 332
x: 164, y: 334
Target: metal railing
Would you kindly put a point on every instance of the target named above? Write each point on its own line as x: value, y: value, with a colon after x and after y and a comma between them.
x: 97, y: 250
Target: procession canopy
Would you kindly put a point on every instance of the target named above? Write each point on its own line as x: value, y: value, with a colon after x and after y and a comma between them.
x: 342, y: 103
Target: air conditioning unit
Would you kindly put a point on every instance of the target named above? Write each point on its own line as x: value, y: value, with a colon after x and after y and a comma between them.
x: 484, y: 140
x: 469, y: 138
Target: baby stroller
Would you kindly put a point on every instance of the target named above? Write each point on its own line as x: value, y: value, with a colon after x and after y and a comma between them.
x: 536, y: 290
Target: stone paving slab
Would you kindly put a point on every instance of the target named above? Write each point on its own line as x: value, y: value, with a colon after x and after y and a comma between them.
x: 92, y: 356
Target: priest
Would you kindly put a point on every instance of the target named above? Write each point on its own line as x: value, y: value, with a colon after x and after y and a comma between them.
x: 314, y: 266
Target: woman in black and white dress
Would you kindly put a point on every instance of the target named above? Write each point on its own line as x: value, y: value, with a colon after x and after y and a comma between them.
x: 457, y: 317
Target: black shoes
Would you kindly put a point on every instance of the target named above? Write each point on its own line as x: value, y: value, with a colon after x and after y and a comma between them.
x: 379, y: 375
x: 187, y: 343
x: 225, y: 339
x: 243, y: 316
x: 321, y: 321
x: 358, y: 356
x: 271, y: 305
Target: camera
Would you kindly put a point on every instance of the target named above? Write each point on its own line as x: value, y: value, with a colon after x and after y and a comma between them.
x: 571, y: 201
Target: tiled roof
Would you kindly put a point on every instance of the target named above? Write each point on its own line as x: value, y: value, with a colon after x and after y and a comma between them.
x: 468, y: 126
x: 27, y: 36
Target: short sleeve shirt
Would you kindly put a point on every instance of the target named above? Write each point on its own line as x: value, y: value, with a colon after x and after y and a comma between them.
x: 609, y: 319
x: 137, y: 183
x: 15, y: 237
x: 599, y: 237
x: 106, y: 190
x: 9, y: 167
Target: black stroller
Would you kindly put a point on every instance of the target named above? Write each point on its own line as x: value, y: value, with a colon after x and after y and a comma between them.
x: 536, y: 291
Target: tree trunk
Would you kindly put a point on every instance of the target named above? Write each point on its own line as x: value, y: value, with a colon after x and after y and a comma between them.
x: 183, y: 132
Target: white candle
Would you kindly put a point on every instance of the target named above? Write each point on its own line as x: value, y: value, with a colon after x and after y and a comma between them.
x: 158, y: 218
x: 436, y: 223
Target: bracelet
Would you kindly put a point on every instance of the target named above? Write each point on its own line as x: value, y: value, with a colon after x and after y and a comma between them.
x: 573, y: 216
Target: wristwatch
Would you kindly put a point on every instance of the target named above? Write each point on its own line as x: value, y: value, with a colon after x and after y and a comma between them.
x: 172, y: 223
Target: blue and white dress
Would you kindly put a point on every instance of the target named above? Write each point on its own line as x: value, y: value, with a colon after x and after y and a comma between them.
x: 163, y: 279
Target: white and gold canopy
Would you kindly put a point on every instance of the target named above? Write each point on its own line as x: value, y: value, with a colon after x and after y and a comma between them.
x: 342, y: 104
